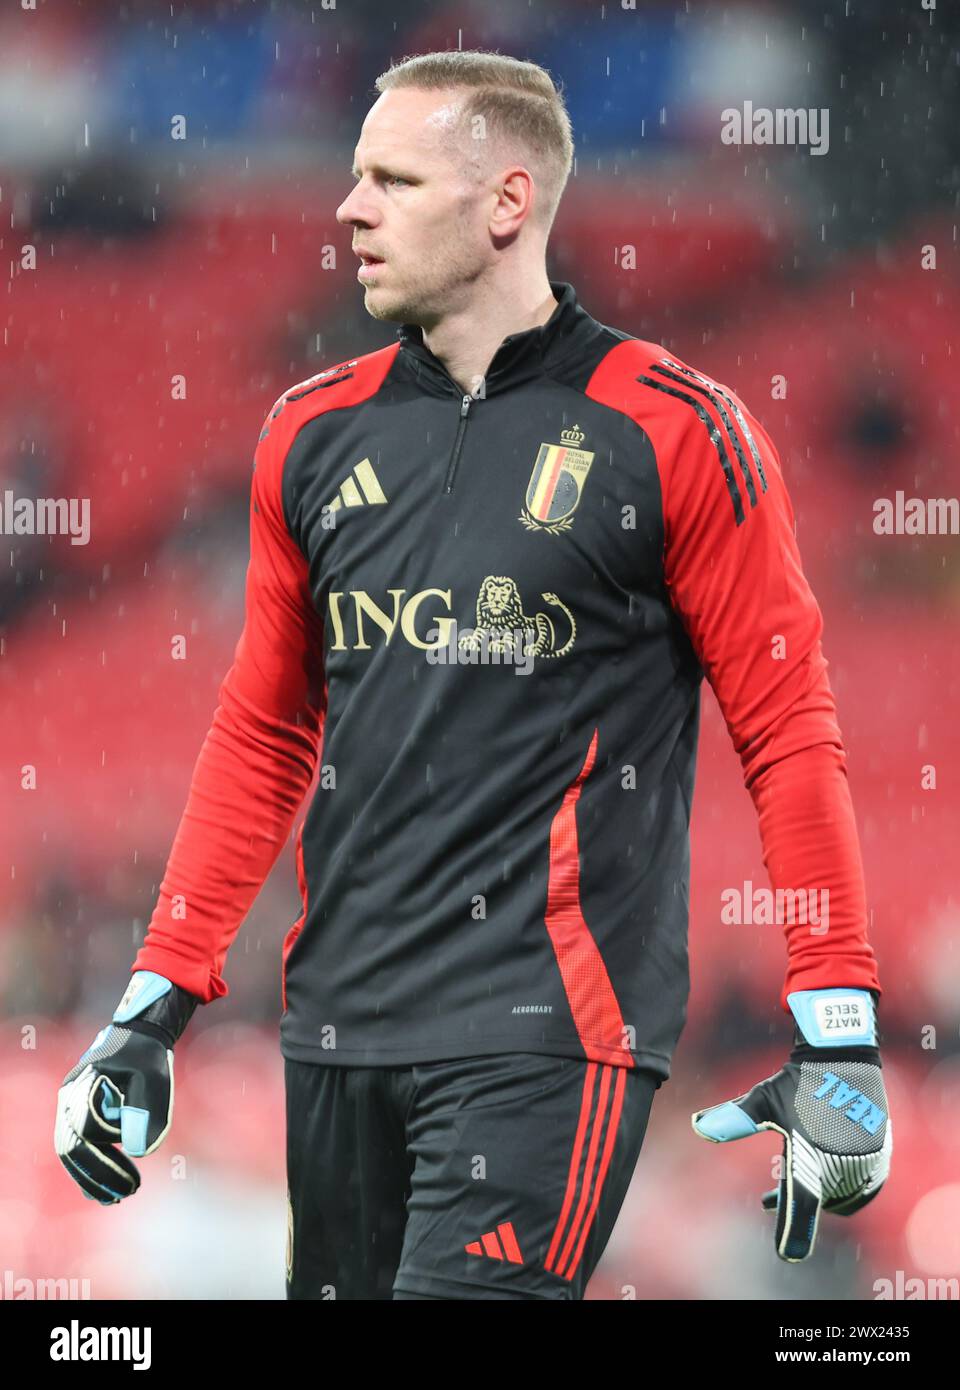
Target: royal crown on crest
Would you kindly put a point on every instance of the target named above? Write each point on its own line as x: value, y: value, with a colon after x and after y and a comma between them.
x: 573, y: 436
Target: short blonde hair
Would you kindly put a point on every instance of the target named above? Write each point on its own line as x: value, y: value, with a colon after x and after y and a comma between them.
x: 517, y: 100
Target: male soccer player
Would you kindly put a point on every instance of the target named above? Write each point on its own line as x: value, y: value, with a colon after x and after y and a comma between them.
x: 490, y: 565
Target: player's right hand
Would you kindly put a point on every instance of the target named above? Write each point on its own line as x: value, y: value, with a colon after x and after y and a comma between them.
x: 121, y: 1090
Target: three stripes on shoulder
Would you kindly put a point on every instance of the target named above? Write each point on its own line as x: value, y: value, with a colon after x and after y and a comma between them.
x: 697, y: 391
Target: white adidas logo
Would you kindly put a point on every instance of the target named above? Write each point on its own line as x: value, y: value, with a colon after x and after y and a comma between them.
x: 360, y: 486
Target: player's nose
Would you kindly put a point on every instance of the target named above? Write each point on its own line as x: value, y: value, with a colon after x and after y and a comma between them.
x: 355, y: 209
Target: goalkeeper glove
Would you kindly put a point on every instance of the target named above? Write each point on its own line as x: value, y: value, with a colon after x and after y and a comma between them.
x: 830, y: 1105
x: 122, y: 1089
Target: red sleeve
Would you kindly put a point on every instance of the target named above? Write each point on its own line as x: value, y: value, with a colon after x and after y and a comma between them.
x: 258, y: 758
x: 735, y: 578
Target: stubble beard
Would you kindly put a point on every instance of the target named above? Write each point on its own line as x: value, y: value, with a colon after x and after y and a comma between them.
x: 424, y: 302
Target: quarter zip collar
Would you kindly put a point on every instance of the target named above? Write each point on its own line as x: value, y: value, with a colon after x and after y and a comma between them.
x: 520, y: 357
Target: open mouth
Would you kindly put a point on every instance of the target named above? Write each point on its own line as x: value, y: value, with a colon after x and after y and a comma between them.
x: 369, y: 267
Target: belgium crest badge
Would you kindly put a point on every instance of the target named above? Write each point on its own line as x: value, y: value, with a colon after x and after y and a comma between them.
x: 556, y: 483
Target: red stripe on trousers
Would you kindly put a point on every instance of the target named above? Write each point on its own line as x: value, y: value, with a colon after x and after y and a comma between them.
x: 619, y: 1086
x: 596, y: 1130
x: 585, y: 1101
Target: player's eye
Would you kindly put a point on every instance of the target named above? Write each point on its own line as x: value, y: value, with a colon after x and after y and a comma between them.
x: 387, y: 178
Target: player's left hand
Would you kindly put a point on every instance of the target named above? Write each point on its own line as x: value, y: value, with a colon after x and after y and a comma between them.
x: 117, y: 1101
x: 830, y: 1105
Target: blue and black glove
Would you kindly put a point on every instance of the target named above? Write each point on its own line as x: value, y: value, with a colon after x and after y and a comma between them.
x: 121, y: 1090
x: 829, y: 1104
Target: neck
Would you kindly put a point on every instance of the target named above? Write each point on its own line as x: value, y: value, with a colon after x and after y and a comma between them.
x: 466, y: 340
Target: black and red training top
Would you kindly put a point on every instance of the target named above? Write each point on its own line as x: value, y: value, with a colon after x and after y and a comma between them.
x: 485, y: 619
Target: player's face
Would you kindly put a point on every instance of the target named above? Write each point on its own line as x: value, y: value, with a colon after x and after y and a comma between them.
x: 418, y: 207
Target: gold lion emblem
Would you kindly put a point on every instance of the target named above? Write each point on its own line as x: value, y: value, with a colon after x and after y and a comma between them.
x: 503, y: 625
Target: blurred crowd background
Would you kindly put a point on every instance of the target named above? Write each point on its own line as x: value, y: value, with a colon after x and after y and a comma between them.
x: 217, y: 257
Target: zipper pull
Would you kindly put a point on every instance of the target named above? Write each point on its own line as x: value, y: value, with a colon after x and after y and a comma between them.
x: 455, y: 456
